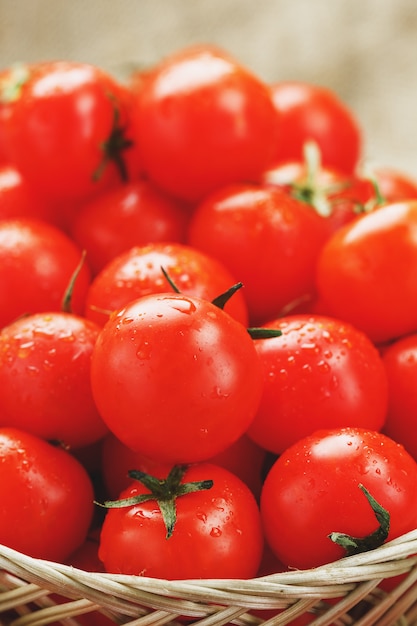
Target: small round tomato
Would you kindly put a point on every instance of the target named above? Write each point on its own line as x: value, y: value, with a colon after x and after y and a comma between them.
x: 138, y: 272
x: 37, y: 264
x: 175, y: 377
x: 307, y: 112
x: 133, y: 214
x: 320, y: 373
x: 217, y: 531
x: 46, y: 497
x: 45, y: 378
x: 394, y: 185
x: 366, y: 272
x: 268, y: 240
x: 315, y: 496
x: 400, y: 361
x: 67, y: 128
x: 203, y: 121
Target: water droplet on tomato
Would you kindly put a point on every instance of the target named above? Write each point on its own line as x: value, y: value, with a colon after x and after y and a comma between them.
x: 215, y: 532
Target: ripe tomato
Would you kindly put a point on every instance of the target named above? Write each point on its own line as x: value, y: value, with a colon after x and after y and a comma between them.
x: 37, y: 262
x: 46, y: 496
x: 313, y: 490
x: 45, y: 378
x: 308, y: 112
x: 203, y: 121
x: 268, y: 241
x: 67, y: 128
x: 217, y: 533
x: 366, y: 272
x: 137, y: 273
x: 175, y: 377
x: 320, y: 373
x: 395, y: 185
x: 335, y: 195
x: 130, y: 215
x: 17, y: 199
x: 400, y: 361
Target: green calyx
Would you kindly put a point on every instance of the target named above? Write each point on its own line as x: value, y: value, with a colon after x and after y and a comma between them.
x: 114, y: 147
x: 163, y: 491
x: 11, y: 86
x: 355, y: 545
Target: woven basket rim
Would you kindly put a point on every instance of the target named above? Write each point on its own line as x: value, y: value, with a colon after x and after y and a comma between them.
x: 155, y: 602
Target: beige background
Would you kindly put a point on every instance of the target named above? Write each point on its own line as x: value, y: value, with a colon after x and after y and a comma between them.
x: 366, y: 50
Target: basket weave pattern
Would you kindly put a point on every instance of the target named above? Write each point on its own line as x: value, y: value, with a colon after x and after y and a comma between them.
x: 29, y: 589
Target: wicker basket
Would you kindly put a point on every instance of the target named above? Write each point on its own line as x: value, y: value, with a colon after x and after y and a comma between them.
x: 29, y: 588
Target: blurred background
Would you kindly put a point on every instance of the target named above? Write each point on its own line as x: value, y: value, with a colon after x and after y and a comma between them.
x: 365, y: 50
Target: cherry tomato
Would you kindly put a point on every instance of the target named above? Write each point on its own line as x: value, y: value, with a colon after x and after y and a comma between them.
x: 45, y: 378
x: 217, y: 533
x: 394, y: 185
x: 335, y: 195
x: 17, y: 198
x: 175, y: 377
x: 320, y: 373
x: 366, y: 272
x: 307, y: 112
x: 46, y: 495
x: 37, y: 263
x: 134, y: 214
x: 400, y: 361
x: 203, y: 121
x: 138, y: 272
x: 67, y: 128
x: 268, y: 241
x: 244, y: 458
x: 313, y: 490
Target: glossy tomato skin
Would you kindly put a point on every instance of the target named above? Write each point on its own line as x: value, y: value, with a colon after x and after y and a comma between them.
x: 395, y: 185
x: 175, y: 377
x: 47, y: 497
x: 268, y: 241
x: 313, y: 490
x: 133, y: 214
x: 203, y: 121
x: 366, y: 272
x: 17, y: 198
x: 217, y: 534
x: 307, y: 112
x: 59, y: 121
x: 37, y: 262
x: 45, y: 378
x: 137, y: 272
x: 320, y: 373
x: 400, y: 361
x: 338, y: 196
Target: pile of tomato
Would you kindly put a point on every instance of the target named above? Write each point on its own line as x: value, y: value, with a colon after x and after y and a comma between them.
x: 208, y: 346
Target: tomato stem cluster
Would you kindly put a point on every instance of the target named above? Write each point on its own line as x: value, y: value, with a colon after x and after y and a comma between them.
x: 165, y: 491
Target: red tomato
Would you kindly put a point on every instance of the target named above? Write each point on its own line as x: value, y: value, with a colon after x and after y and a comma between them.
x: 243, y: 458
x: 175, y: 377
x: 268, y: 241
x: 321, y: 373
x: 37, y: 262
x: 203, y: 121
x: 17, y: 199
x: 366, y: 272
x: 395, y: 185
x: 45, y: 378
x: 313, y: 490
x: 217, y: 533
x: 134, y: 214
x: 67, y: 129
x: 137, y: 273
x: 46, y: 496
x: 400, y: 361
x: 335, y: 195
x: 308, y: 112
